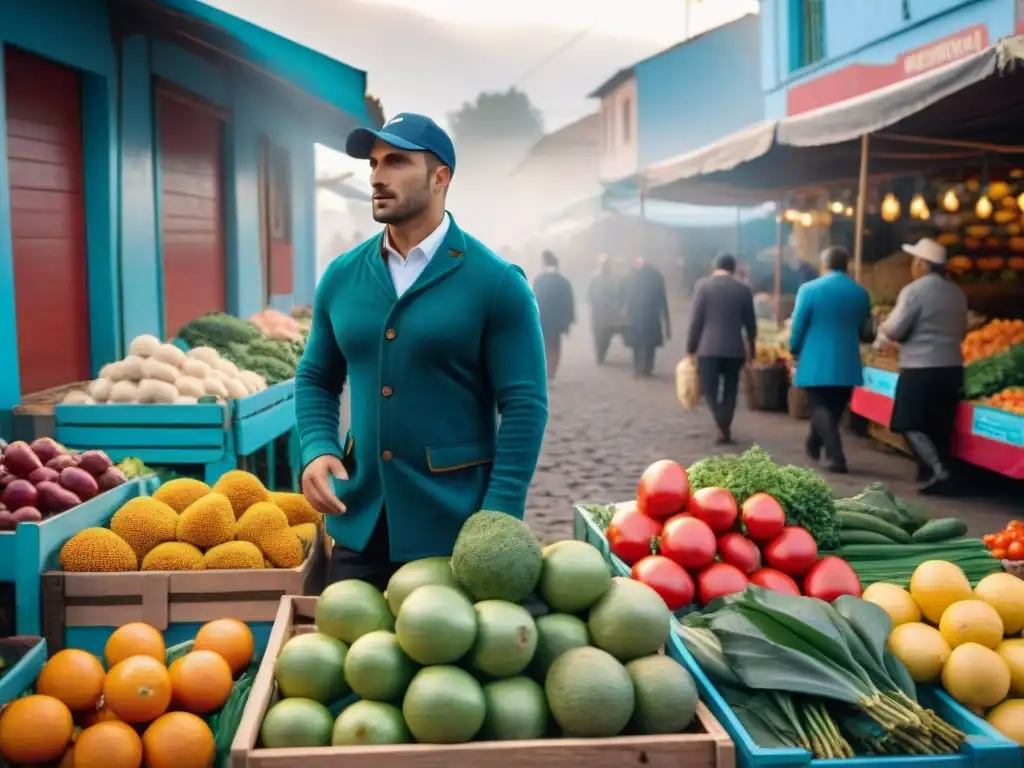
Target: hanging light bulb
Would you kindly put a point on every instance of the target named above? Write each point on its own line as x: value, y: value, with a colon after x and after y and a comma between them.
x: 849, y: 210
x: 950, y: 201
x: 836, y: 206
x: 890, y: 208
x: 918, y: 207
x: 984, y: 207
x: 806, y: 219
x: 791, y: 215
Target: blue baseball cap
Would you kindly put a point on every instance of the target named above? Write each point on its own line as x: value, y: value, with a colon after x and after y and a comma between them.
x: 408, y: 131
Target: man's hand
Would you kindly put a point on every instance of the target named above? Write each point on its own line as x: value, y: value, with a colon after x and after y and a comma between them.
x: 317, y: 486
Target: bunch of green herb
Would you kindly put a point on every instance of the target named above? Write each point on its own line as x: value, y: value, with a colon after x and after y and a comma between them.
x: 804, y: 495
x: 820, y: 675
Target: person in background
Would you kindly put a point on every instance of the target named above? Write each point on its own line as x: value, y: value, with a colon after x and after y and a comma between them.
x: 723, y: 311
x: 436, y: 335
x: 647, y: 319
x: 928, y: 322
x: 830, y: 317
x: 603, y: 295
x: 557, y: 309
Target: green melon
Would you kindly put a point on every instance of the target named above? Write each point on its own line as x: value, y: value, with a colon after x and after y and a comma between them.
x: 505, y: 641
x: 444, y: 705
x: 377, y: 668
x: 590, y: 693
x: 349, y: 609
x: 436, y: 625
x: 312, y: 666
x: 293, y: 723
x: 370, y: 722
x: 631, y: 620
x: 574, y: 576
x: 556, y: 634
x: 666, y: 696
x: 415, y: 574
x: 516, y: 709
x: 497, y: 557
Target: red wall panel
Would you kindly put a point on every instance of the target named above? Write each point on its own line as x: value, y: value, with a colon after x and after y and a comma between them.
x: 44, y: 156
x: 192, y: 211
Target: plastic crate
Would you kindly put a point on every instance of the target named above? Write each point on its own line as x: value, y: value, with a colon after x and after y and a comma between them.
x: 585, y: 529
x: 25, y: 671
x: 985, y: 746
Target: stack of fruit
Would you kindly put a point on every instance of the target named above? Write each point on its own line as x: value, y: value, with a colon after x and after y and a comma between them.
x: 706, y: 545
x: 429, y: 665
x: 969, y: 640
x: 165, y: 708
x: 1007, y: 544
x: 187, y: 525
x: 1010, y: 400
x: 43, y: 479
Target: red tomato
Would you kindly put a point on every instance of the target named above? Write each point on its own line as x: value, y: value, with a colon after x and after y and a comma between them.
x: 689, y: 542
x: 1015, y: 551
x: 1000, y: 541
x: 630, y: 534
x: 776, y: 581
x: 715, y: 506
x: 719, y: 580
x: 666, y: 578
x: 988, y: 538
x: 831, y: 577
x: 763, y: 517
x: 998, y: 554
x: 664, y: 490
x: 736, y: 549
x: 793, y: 551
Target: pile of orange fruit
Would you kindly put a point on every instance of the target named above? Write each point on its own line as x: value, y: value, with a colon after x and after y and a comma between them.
x: 1008, y: 544
x: 136, y: 712
x: 1010, y: 400
x: 991, y: 339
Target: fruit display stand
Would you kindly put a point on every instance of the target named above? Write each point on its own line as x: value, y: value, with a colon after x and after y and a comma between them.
x: 29, y: 654
x: 212, y: 438
x: 81, y: 610
x: 983, y: 436
x: 705, y: 746
x: 27, y: 551
x: 984, y: 745
x: 584, y: 529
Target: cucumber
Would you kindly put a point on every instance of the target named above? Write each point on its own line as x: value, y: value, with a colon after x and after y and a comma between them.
x: 890, y: 516
x: 859, y: 521
x: 942, y: 529
x: 853, y: 536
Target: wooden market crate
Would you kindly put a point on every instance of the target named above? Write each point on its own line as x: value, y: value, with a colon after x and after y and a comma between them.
x: 81, y: 610
x: 31, y: 548
x: 34, y: 416
x: 706, y: 745
x: 213, y: 438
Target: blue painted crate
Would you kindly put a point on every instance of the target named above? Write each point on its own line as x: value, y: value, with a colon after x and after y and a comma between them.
x: 215, y: 438
x: 984, y: 745
x: 24, y: 673
x: 26, y: 551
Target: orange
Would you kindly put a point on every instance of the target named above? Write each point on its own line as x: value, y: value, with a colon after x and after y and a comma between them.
x: 75, y: 677
x: 138, y: 689
x: 101, y: 714
x: 200, y: 682
x: 68, y: 761
x: 135, y: 639
x: 231, y: 638
x: 35, y: 729
x: 178, y: 740
x: 108, y: 745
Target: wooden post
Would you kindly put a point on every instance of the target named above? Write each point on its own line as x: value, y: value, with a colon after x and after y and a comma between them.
x: 777, y: 288
x: 862, y: 196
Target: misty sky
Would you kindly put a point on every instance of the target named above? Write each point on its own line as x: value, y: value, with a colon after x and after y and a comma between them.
x: 431, y: 55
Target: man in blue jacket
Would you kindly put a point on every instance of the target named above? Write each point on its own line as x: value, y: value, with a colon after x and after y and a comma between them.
x: 830, y: 317
x: 437, y: 336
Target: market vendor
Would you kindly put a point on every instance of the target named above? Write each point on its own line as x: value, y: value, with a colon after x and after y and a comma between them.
x: 437, y: 335
x: 928, y: 322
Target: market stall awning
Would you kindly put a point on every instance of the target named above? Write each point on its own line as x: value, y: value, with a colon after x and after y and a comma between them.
x: 311, y: 80
x: 938, y: 117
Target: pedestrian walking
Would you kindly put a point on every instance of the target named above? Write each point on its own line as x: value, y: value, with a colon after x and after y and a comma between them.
x: 928, y: 322
x: 831, y: 316
x: 647, y: 320
x: 436, y: 335
x: 557, y: 309
x: 723, y: 311
x: 604, y: 295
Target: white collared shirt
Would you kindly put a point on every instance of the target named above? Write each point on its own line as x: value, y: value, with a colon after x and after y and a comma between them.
x: 405, y: 271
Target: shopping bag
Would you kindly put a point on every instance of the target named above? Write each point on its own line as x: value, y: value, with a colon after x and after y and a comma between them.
x: 687, y: 383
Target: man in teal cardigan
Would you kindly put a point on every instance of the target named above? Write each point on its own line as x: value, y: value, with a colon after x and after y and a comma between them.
x: 437, y: 336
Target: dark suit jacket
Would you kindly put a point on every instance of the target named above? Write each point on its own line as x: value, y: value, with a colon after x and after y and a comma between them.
x: 723, y: 308
x: 555, y: 302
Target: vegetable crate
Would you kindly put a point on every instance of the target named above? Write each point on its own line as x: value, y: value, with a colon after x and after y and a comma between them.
x: 706, y: 746
x: 81, y: 610
x: 585, y: 529
x: 26, y: 551
x: 23, y: 658
x: 984, y: 746
x: 214, y: 438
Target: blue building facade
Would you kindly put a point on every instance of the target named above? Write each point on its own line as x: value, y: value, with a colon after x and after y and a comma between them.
x: 819, y: 52
x: 156, y: 159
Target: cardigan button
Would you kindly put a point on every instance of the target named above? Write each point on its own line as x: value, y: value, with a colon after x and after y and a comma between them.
x: 387, y: 455
x: 387, y: 391
x: 390, y: 334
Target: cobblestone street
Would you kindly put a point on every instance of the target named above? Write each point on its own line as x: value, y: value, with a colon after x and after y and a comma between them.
x: 605, y: 427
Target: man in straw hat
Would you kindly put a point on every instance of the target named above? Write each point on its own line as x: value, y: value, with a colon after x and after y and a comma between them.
x: 928, y: 322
